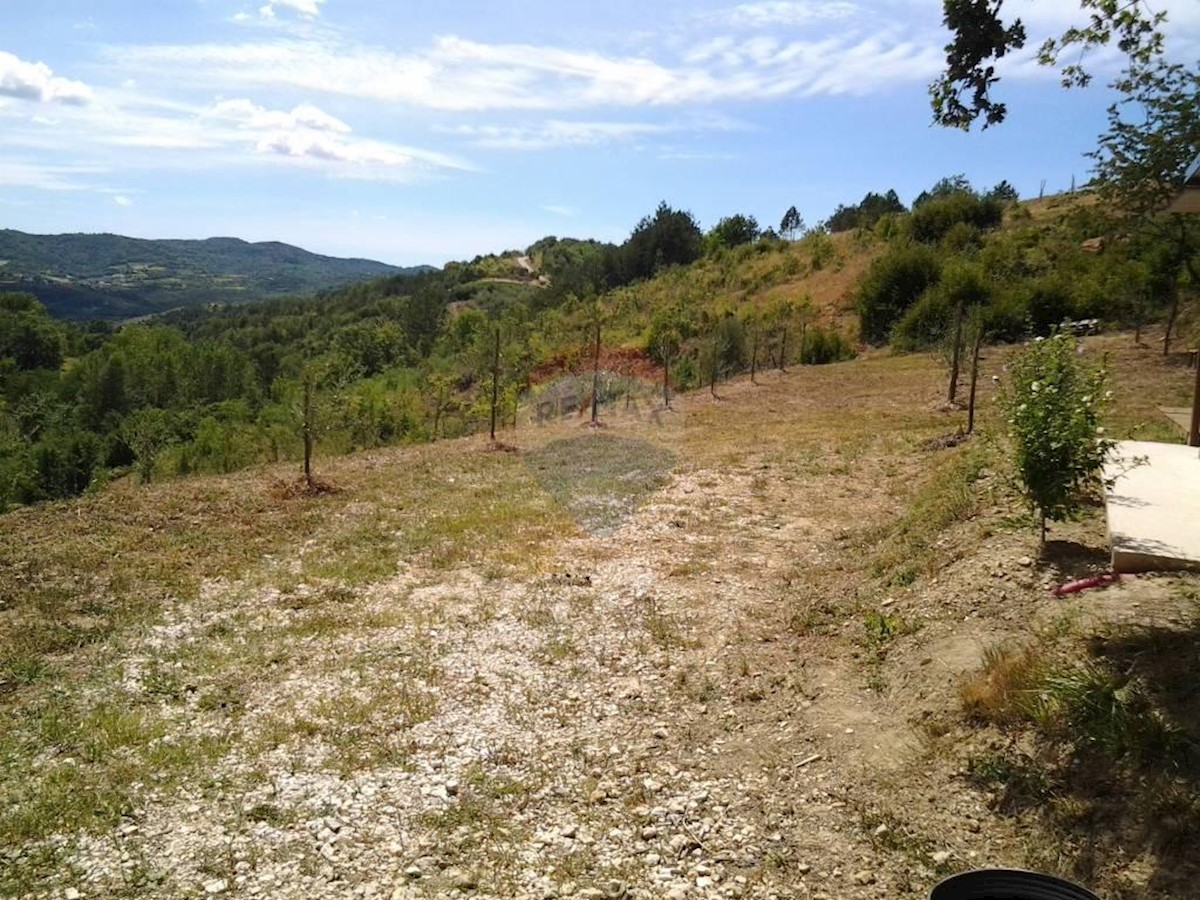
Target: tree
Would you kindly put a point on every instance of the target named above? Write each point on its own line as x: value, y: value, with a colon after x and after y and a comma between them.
x: 733, y: 231
x: 979, y: 38
x: 146, y: 432
x: 1054, y: 404
x: 1003, y: 193
x: 670, y: 237
x: 791, y: 224
x: 1153, y: 135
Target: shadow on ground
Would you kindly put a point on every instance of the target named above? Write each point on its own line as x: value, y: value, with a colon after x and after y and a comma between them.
x: 1115, y: 777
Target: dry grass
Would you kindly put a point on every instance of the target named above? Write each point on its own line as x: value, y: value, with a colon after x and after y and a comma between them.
x: 1004, y: 690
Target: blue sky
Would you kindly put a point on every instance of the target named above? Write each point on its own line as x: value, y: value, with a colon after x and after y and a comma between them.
x: 425, y: 131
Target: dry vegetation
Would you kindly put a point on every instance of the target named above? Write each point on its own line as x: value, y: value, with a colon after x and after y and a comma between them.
x: 761, y: 646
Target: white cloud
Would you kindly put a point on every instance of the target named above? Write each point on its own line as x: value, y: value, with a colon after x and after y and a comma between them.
x: 251, y: 115
x: 786, y: 13
x: 559, y: 210
x: 556, y: 134
x: 307, y: 8
x: 36, y: 81
x: 122, y: 200
x: 19, y: 174
x: 459, y: 75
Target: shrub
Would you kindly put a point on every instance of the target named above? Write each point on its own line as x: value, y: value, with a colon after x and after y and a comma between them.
x: 892, y: 285
x: 821, y: 347
x: 1054, y: 404
x: 932, y: 220
x: 924, y: 323
x: 1049, y: 302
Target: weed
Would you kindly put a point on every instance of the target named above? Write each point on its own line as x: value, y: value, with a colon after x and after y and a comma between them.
x: 1002, y: 691
x: 881, y: 629
x: 1021, y: 780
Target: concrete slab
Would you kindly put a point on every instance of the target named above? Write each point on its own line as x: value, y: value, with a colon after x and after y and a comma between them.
x: 1154, y: 508
x: 1181, y: 416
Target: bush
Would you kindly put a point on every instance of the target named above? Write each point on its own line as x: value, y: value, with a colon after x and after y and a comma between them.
x: 821, y: 347
x: 1049, y: 302
x: 1054, y: 404
x: 932, y: 220
x: 892, y: 285
x: 924, y: 323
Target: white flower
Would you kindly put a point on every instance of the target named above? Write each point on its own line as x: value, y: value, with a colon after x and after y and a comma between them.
x: 1035, y: 387
x: 1108, y: 395
x: 1087, y: 399
x: 1100, y: 430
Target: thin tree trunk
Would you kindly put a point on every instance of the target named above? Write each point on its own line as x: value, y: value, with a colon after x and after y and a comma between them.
x: 495, y: 385
x: 667, y: 380
x: 754, y: 358
x: 783, y: 351
x: 803, y: 334
x: 956, y: 351
x: 307, y: 413
x: 596, y: 379
x: 1172, y: 315
x: 974, y: 378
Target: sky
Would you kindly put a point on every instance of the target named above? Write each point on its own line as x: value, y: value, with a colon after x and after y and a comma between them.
x: 421, y: 131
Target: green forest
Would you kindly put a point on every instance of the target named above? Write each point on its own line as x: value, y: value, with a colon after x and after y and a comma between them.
x: 410, y: 358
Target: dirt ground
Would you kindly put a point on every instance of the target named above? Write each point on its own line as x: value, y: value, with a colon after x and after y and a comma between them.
x: 711, y: 652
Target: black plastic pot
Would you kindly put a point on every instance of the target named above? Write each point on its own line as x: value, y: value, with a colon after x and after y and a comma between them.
x: 1008, y: 884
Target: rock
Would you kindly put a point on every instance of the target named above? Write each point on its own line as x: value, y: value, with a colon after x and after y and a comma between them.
x: 649, y: 833
x: 973, y: 826
x: 216, y: 886
x: 462, y: 879
x: 941, y: 857
x: 72, y: 894
x: 863, y: 877
x: 569, y: 831
x: 804, y: 868
x: 881, y: 831
x: 414, y: 872
x: 615, y: 890
x: 1025, y: 561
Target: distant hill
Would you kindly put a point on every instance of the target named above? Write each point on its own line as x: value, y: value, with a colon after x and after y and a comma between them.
x: 106, y: 276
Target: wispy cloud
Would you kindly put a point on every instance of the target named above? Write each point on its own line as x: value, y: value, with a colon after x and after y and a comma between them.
x: 785, y: 13
x: 45, y: 177
x: 566, y: 212
x: 459, y: 75
x: 122, y: 200
x: 36, y: 81
x: 308, y: 8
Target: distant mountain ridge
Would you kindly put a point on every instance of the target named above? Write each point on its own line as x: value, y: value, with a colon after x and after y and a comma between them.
x: 108, y: 276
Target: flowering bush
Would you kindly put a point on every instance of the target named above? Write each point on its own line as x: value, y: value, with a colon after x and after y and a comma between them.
x: 1054, y: 403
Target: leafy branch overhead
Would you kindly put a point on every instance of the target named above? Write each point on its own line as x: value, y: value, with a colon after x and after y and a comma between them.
x: 980, y: 37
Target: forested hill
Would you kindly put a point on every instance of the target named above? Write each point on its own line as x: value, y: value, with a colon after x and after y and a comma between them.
x: 106, y: 276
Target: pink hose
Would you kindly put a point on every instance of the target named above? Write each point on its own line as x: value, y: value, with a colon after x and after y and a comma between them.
x: 1074, y: 587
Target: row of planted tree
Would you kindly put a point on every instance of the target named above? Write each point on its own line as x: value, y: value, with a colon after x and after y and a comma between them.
x: 81, y: 408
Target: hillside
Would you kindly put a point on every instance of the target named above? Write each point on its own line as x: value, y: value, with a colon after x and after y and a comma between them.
x: 710, y: 653
x: 109, y: 277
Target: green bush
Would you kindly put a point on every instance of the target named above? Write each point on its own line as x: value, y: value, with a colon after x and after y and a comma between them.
x: 821, y: 347
x: 933, y: 220
x: 1049, y: 301
x: 1054, y: 403
x: 893, y: 283
x: 924, y: 323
